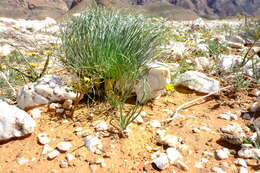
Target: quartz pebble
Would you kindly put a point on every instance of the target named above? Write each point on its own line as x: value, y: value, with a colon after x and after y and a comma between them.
x: 64, y: 164
x: 181, y: 165
x: 43, y: 138
x: 222, y: 154
x: 161, y: 161
x: 64, y: 146
x: 53, y: 154
x: 46, y: 149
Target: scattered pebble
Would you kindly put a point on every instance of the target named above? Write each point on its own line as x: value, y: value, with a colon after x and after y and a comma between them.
x: 181, y: 165
x: 155, y: 123
x: 228, y: 116
x: 43, y: 138
x: 218, y: 170
x: 195, y: 130
x: 53, y: 154
x: 233, y: 129
x: 64, y: 164
x: 243, y: 170
x: 161, y: 161
x: 54, y: 106
x: 69, y: 157
x: 46, y: 149
x: 249, y: 153
x: 139, y: 119
x: 241, y: 162
x: 173, y: 155
x: 22, y: 160
x: 222, y: 154
x: 36, y: 113
x: 204, y: 128
x: 93, y: 144
x: 64, y: 146
x: 170, y: 140
x: 100, y: 125
x: 67, y: 104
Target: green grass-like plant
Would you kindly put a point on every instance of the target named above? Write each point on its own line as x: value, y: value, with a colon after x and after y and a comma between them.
x: 113, y: 48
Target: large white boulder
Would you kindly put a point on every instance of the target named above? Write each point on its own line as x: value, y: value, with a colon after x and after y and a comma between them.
x: 197, y: 81
x: 14, y: 122
x: 154, y: 83
x: 49, y: 88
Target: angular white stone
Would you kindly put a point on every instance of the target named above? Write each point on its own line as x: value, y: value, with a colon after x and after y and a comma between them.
x: 53, y: 154
x: 161, y: 161
x: 170, y: 140
x: 101, y: 125
x: 241, y: 162
x: 93, y: 144
x: 43, y: 138
x: 248, y: 153
x: 36, y: 113
x: 181, y: 165
x: 218, y: 170
x: 14, y: 122
x: 155, y: 124
x: 154, y: 83
x: 64, y: 146
x: 222, y: 154
x: 46, y: 149
x: 69, y: 157
x: 233, y: 129
x: 173, y: 155
x: 198, y: 81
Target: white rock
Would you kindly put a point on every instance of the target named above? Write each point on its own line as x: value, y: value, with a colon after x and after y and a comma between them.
x: 233, y: 129
x: 202, y: 63
x: 161, y: 161
x: 173, y: 155
x: 54, y: 106
x: 36, y: 113
x: 198, y: 81
x: 14, y: 122
x: 161, y: 133
x: 235, y: 45
x: 48, y: 89
x: 154, y: 83
x: 43, y: 138
x: 155, y: 124
x: 69, y: 157
x: 53, y: 154
x: 228, y: 116
x: 59, y: 111
x: 236, y: 39
x: 218, y: 170
x: 198, y: 165
x: 170, y: 140
x: 46, y: 149
x: 248, y: 153
x: 181, y: 165
x: 101, y: 125
x: 198, y: 23
x: 222, y: 154
x: 243, y: 170
x: 195, y: 130
x: 138, y: 119
x: 22, y: 160
x: 67, y: 104
x: 241, y: 162
x: 6, y: 49
x: 93, y: 144
x: 64, y: 146
x: 204, y: 128
x: 64, y: 164
x: 229, y: 61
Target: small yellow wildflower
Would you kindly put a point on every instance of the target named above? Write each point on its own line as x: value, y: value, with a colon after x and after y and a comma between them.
x: 158, y: 53
x: 32, y: 65
x: 1, y: 55
x: 54, y: 47
x: 47, y: 52
x: 31, y: 53
x: 169, y: 87
x: 86, y: 79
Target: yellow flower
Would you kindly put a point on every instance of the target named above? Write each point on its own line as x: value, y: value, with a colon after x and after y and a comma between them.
x: 158, y: 53
x: 47, y: 52
x: 86, y: 79
x: 31, y: 53
x: 3, y: 55
x: 54, y: 47
x: 169, y: 87
x: 32, y: 65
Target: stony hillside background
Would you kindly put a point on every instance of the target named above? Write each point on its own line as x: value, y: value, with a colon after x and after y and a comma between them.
x: 175, y: 9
